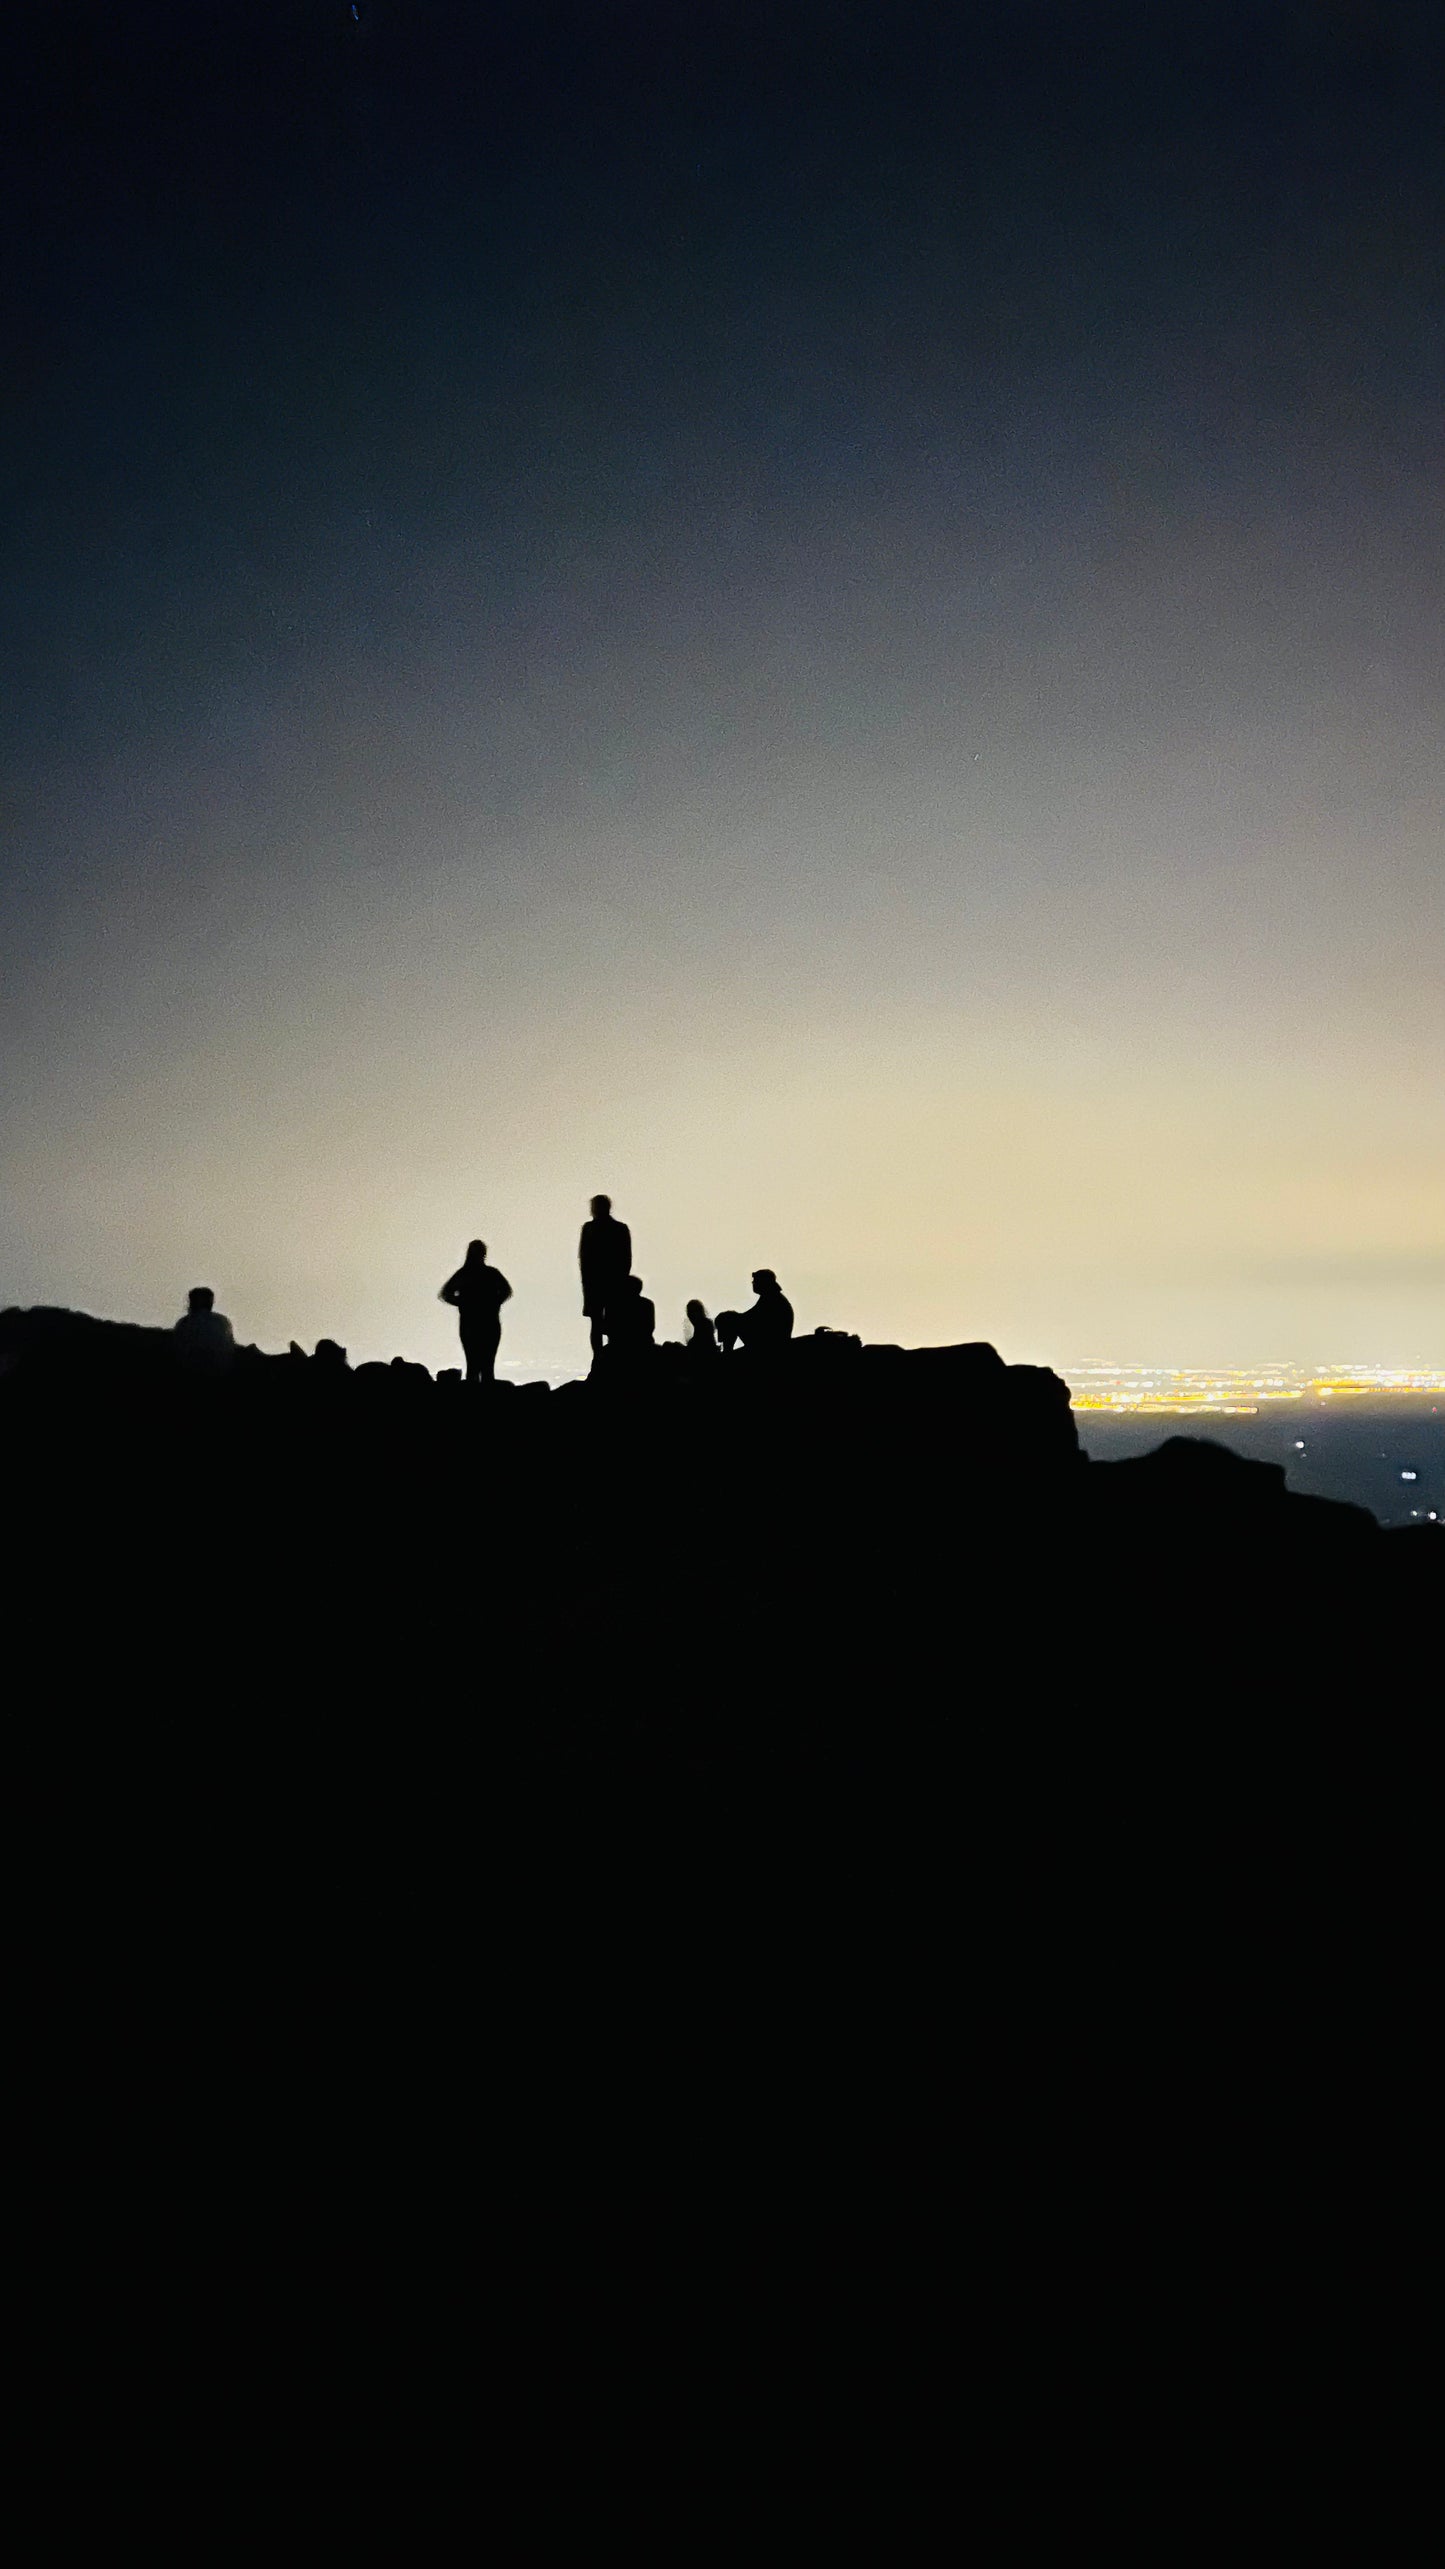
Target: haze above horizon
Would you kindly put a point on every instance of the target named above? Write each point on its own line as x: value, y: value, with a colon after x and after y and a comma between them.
x: 831, y: 627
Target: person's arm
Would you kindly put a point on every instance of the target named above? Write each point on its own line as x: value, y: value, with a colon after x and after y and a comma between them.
x: 504, y: 1290
x: 449, y: 1289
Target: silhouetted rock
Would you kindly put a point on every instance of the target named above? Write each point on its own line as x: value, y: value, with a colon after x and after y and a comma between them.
x: 850, y: 1531
x: 1191, y: 1489
x: 70, y: 1346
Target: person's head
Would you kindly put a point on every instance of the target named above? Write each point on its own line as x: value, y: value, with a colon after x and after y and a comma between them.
x: 601, y: 1205
x: 697, y: 1314
x: 329, y: 1353
x: 200, y: 1298
x: 476, y: 1253
x: 764, y: 1280
x: 634, y: 1285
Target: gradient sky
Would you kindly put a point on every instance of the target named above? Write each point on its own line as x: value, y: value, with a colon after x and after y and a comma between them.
x: 832, y: 627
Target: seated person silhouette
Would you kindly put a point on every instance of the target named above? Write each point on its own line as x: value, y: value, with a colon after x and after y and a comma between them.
x: 204, y: 1338
x: 604, y: 1254
x: 631, y: 1322
x: 702, y: 1337
x: 764, y: 1330
x: 477, y: 1292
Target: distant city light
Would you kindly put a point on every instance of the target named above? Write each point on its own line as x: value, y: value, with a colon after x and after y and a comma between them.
x: 1236, y: 1391
x: 1409, y: 1476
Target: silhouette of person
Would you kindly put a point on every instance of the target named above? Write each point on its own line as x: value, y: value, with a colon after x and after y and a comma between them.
x: 204, y: 1338
x: 477, y: 1293
x: 702, y: 1340
x: 604, y: 1254
x: 632, y: 1321
x: 767, y: 1327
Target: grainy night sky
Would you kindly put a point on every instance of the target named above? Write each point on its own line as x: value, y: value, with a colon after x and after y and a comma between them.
x: 830, y: 624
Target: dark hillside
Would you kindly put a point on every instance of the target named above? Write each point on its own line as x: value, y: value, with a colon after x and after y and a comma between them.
x: 903, y: 1536
x: 538, y: 1870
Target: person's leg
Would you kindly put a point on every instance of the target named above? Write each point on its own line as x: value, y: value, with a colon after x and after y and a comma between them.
x: 597, y: 1329
x: 489, y: 1340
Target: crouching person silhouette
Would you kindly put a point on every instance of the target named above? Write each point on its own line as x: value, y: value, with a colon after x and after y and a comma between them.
x: 477, y: 1293
x: 765, y: 1329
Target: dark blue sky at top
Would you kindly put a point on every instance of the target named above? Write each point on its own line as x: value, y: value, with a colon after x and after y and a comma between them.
x: 585, y: 404
x: 301, y: 290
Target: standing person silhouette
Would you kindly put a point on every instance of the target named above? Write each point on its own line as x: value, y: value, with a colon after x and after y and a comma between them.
x: 477, y: 1293
x: 604, y: 1254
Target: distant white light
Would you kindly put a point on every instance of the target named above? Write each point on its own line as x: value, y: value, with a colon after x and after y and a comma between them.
x: 1299, y: 1445
x: 1409, y: 1476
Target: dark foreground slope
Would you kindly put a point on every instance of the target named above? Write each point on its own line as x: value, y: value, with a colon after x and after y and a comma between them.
x: 775, y: 1872
x: 860, y: 1534
x: 902, y: 1537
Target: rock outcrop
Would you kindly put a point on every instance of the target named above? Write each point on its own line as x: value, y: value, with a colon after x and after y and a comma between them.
x: 906, y: 1529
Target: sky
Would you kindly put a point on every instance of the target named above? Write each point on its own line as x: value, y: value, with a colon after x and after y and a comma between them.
x: 826, y: 623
